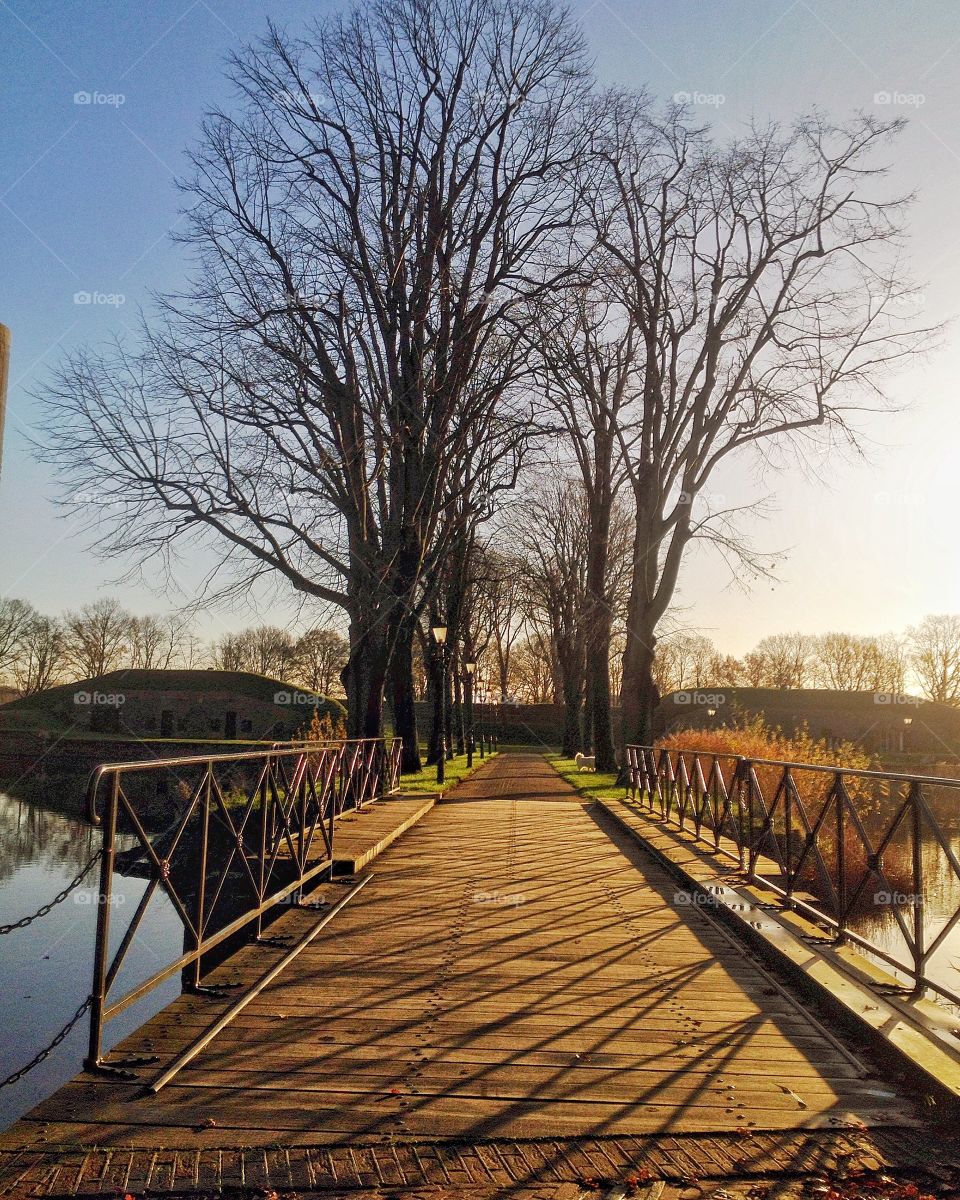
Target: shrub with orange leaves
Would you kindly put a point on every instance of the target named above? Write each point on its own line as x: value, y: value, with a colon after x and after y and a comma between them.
x: 874, y: 800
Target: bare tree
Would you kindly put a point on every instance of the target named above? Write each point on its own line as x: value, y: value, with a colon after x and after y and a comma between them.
x: 364, y: 227
x: 934, y: 647
x: 684, y: 660
x: 762, y: 280
x: 41, y: 659
x: 272, y: 651
x: 500, y: 610
x: 231, y: 652
x: 851, y: 662
x: 98, y: 637
x: 16, y: 619
x: 589, y: 365
x: 157, y: 643
x: 787, y: 659
x: 756, y: 670
x: 726, y: 671
x: 532, y: 675
x: 550, y: 530
x: 321, y: 655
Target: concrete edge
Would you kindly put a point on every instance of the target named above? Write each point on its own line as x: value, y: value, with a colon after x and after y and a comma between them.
x: 349, y: 866
x: 908, y: 1040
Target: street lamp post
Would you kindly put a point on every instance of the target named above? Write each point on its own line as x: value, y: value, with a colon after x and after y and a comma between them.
x: 469, y: 667
x: 440, y: 637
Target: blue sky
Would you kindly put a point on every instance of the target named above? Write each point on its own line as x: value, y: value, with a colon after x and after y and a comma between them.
x: 88, y: 201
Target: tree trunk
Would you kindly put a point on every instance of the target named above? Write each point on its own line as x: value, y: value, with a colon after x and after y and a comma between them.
x: 587, y: 723
x: 401, y: 694
x: 640, y: 692
x: 572, y: 694
x: 599, y: 629
x: 363, y: 680
x: 598, y: 687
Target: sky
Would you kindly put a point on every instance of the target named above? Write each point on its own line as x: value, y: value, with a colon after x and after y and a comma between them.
x: 100, y: 100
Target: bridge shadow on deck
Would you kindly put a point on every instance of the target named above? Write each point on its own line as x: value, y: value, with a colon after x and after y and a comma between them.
x: 515, y: 971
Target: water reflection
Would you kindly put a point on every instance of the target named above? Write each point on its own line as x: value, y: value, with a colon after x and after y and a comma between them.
x: 29, y: 834
x: 45, y: 968
x: 941, y: 899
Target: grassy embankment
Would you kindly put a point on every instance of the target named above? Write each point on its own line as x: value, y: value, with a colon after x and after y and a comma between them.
x: 455, y: 770
x: 594, y: 785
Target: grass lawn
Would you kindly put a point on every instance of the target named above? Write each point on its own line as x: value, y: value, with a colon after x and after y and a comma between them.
x: 455, y: 770
x: 592, y: 784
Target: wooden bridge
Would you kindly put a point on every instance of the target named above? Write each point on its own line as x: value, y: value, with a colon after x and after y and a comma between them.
x: 514, y: 1005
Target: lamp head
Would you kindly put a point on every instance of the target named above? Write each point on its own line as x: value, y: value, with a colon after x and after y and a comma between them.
x: 439, y: 634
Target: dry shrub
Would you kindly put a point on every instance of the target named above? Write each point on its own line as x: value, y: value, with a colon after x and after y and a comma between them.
x: 325, y: 729
x: 875, y: 801
x: 751, y: 737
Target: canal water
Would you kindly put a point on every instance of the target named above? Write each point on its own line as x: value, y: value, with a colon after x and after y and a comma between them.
x: 46, y: 968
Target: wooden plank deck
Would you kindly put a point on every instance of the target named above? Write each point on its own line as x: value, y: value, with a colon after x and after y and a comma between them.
x: 512, y: 971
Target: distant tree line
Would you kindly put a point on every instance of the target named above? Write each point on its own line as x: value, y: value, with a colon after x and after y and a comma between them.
x: 38, y: 652
x: 432, y: 254
x: 925, y: 659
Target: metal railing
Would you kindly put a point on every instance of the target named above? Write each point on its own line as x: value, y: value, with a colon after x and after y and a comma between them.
x: 250, y: 830
x: 845, y: 847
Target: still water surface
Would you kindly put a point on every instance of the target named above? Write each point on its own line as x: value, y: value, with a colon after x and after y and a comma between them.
x: 46, y: 969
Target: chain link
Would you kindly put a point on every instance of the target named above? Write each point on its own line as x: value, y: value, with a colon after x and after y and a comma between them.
x: 58, y: 899
x: 45, y: 1053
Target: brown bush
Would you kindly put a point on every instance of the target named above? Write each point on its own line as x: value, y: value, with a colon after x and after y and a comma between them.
x: 875, y: 801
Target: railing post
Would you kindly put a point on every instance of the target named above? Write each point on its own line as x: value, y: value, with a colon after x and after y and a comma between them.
x: 787, y: 782
x: 919, y: 952
x: 751, y: 842
x: 196, y: 971
x: 265, y: 793
x: 331, y: 796
x: 841, y: 862
x: 98, y: 993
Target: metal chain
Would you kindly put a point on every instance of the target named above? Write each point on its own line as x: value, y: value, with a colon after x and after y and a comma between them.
x: 58, y: 899
x: 38, y: 1058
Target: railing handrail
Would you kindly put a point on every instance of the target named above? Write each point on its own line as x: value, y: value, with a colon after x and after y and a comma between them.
x: 277, y: 750
x: 823, y: 768
x: 781, y: 838
x: 280, y: 837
